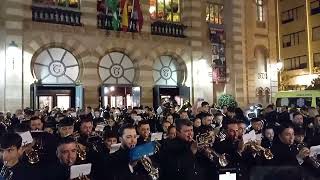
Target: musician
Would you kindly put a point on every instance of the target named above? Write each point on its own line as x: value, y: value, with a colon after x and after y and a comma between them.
x: 242, y: 128
x: 206, y: 124
x: 196, y: 126
x: 231, y: 145
x: 178, y: 156
x: 314, y: 132
x: 109, y: 139
x: 283, y: 150
x: 298, y: 120
x: 268, y: 136
x: 11, y: 152
x: 36, y: 123
x: 67, y: 157
x: 144, y: 132
x: 256, y: 125
x: 184, y: 115
x: 172, y: 132
x: 65, y: 127
x: 165, y: 126
x: 120, y: 166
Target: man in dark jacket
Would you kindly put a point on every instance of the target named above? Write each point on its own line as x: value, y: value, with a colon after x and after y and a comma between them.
x: 178, y: 157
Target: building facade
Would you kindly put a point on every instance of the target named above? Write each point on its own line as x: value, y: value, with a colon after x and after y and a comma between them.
x: 74, y: 53
x: 299, y: 35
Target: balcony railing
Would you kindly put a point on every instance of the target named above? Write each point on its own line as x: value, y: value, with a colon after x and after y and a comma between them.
x: 56, y: 15
x: 105, y: 22
x: 167, y: 29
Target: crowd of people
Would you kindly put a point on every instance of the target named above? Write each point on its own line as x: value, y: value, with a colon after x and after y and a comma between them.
x: 197, y: 143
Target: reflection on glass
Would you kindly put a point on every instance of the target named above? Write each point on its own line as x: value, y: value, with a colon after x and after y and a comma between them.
x: 136, y: 96
x: 129, y: 100
x: 175, y: 7
x: 63, y: 102
x: 119, y: 101
x: 45, y: 101
x: 160, y: 9
x: 153, y: 9
x: 113, y: 101
x: 105, y: 101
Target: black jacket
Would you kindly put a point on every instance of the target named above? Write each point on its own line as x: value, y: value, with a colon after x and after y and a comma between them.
x: 178, y: 162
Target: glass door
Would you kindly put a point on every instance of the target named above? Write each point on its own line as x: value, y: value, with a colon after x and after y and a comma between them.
x: 119, y: 96
x: 63, y: 102
x: 45, y: 101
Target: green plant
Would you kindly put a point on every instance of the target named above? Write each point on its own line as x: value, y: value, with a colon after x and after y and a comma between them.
x: 227, y: 100
x: 315, y: 84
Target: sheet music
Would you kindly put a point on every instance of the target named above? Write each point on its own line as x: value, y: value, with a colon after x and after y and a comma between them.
x: 314, y: 150
x: 156, y: 136
x: 26, y: 138
x: 228, y: 176
x: 115, y: 147
x: 80, y: 170
x: 251, y: 136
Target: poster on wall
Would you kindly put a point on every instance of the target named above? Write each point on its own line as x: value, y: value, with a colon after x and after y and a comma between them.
x: 218, y: 59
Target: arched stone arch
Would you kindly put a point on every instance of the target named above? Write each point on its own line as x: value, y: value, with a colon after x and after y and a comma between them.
x: 42, y: 42
x: 122, y: 47
x: 177, y: 55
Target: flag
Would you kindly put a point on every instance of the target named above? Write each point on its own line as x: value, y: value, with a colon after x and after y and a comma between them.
x: 113, y: 7
x: 124, y: 15
x: 137, y: 8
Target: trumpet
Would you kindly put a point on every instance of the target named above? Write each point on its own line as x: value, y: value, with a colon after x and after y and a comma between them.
x: 259, y: 150
x: 5, y: 172
x: 315, y: 162
x: 204, y: 142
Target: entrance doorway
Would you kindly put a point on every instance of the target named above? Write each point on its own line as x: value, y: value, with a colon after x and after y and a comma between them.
x: 62, y: 97
x: 179, y: 94
x: 120, y: 96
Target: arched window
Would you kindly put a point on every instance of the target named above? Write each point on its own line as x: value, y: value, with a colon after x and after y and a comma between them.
x: 260, y: 94
x: 166, y: 10
x: 261, y: 55
x: 260, y: 10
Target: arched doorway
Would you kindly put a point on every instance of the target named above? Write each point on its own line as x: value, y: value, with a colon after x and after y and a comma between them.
x: 117, y: 73
x: 56, y: 71
x: 168, y: 76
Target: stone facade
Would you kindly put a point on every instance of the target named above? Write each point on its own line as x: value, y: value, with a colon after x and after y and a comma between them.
x: 89, y: 44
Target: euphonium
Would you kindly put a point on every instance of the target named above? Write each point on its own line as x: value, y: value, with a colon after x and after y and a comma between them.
x: 258, y: 149
x: 5, y: 172
x: 152, y: 171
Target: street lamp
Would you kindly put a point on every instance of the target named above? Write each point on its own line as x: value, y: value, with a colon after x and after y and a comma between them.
x: 279, y: 66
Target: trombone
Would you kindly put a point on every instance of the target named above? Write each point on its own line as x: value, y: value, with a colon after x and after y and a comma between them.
x: 259, y: 149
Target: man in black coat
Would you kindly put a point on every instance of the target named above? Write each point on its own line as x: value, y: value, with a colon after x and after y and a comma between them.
x: 179, y: 156
x: 120, y: 164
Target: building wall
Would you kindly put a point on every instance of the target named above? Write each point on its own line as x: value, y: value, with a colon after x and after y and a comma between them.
x: 89, y: 44
x: 298, y: 78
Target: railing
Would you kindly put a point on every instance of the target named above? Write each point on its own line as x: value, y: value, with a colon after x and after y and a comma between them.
x: 56, y: 15
x: 105, y: 22
x: 167, y: 29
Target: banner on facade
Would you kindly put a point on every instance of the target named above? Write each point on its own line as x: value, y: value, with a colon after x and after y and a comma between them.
x: 218, y: 59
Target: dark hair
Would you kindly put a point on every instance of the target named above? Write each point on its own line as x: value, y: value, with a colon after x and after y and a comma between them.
x: 218, y: 114
x: 11, y: 139
x: 66, y: 140
x: 35, y: 118
x: 231, y: 121
x: 231, y: 109
x: 271, y: 106
x: 183, y: 122
x: 143, y: 122
x: 204, y: 115
x: 170, y: 127
x: 204, y: 103
x: 299, y: 131
x: 284, y: 126
x: 256, y: 120
x: 296, y: 114
x: 86, y: 120
x: 110, y: 134
x: 165, y: 121
x: 124, y: 127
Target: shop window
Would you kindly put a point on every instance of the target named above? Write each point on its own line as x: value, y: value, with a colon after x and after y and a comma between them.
x: 214, y: 13
x: 166, y: 10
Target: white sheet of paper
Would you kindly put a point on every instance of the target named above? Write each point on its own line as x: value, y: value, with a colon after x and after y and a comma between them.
x: 228, y: 176
x: 100, y: 127
x: 73, y: 114
x: 156, y: 136
x: 251, y: 136
x: 115, y: 147
x: 80, y: 170
x: 314, y: 150
x: 26, y: 138
x: 258, y: 137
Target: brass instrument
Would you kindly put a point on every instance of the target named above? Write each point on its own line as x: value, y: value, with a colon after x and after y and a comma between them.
x: 184, y: 107
x: 204, y: 143
x: 259, y: 150
x: 81, y: 149
x: 5, y: 172
x: 314, y: 160
x: 33, y: 156
x: 152, y: 171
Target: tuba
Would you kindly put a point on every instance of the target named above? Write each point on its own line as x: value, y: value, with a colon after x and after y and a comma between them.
x: 204, y: 142
x: 259, y: 150
x: 5, y: 172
